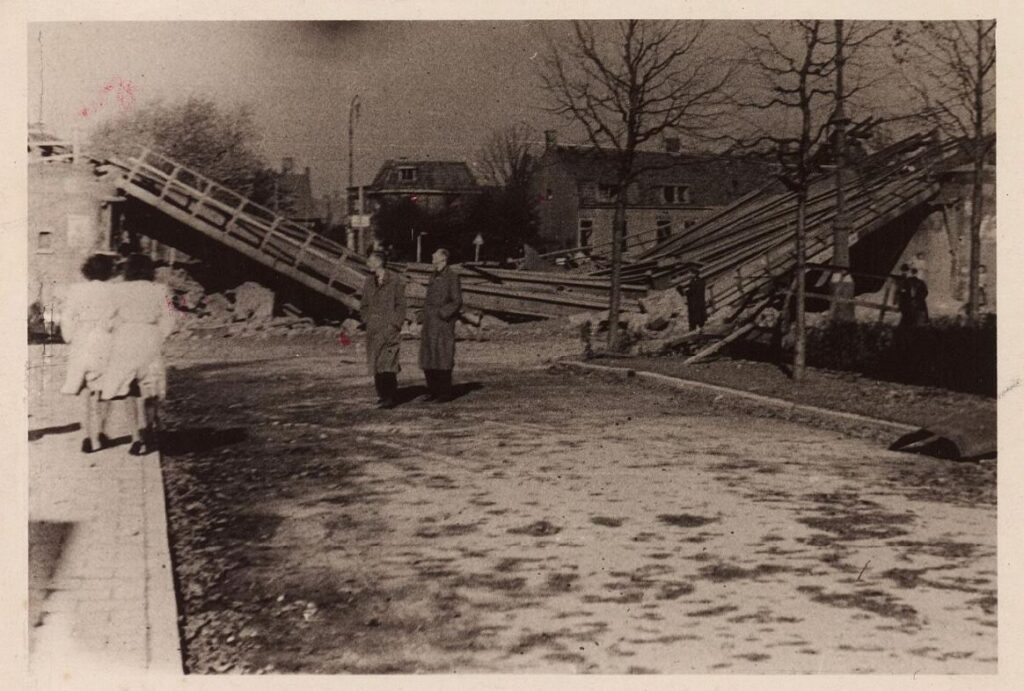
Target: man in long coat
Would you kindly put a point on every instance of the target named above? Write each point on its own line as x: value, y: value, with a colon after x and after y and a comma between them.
x: 905, y: 301
x: 919, y: 296
x: 383, y: 310
x: 696, y: 301
x: 441, y: 308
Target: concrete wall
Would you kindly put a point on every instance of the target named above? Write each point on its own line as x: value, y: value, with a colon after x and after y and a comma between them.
x: 67, y: 221
x: 936, y: 242
x: 940, y: 249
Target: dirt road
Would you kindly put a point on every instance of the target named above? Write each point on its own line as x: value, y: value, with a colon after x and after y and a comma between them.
x: 553, y: 523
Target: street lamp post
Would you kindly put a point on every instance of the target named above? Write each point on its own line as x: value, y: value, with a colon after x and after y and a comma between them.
x: 353, y: 115
x: 842, y: 288
x: 419, y: 247
x: 478, y: 242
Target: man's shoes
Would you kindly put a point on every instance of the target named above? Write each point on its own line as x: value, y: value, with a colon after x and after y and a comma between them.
x: 87, y: 446
x: 138, y: 448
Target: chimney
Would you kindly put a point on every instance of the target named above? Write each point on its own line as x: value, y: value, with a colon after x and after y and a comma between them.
x: 550, y: 139
x: 287, y: 163
x: 672, y: 145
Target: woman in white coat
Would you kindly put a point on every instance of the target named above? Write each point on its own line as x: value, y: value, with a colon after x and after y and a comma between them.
x: 143, y: 317
x: 85, y: 324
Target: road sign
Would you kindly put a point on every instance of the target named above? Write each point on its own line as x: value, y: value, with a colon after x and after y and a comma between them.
x: 359, y: 220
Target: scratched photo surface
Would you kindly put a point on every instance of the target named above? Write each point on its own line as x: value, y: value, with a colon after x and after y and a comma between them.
x: 605, y: 347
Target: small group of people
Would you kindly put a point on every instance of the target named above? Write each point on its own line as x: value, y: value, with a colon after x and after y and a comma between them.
x: 911, y: 297
x: 383, y: 309
x: 115, y: 322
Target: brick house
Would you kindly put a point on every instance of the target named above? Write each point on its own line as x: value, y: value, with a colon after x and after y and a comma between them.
x: 433, y: 185
x: 574, y: 187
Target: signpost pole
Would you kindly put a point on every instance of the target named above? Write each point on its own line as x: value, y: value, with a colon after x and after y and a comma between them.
x: 478, y: 242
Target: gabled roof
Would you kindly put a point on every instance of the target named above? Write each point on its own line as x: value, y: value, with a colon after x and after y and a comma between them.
x: 440, y: 176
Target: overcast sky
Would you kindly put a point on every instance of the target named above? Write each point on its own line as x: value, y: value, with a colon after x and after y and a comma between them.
x: 428, y: 89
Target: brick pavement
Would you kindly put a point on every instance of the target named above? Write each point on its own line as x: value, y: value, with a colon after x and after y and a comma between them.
x: 101, y: 586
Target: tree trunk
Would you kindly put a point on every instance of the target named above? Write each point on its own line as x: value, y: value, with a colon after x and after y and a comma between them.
x: 618, y: 232
x: 800, y: 346
x: 978, y: 191
x: 977, y: 200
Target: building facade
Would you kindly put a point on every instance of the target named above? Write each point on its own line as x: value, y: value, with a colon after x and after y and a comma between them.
x: 71, y: 214
x: 431, y: 185
x: 672, y: 191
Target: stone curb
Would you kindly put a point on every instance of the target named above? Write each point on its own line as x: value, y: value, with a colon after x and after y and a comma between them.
x: 779, y: 403
x: 163, y: 644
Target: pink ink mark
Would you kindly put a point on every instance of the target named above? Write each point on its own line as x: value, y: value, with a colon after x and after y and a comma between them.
x: 124, y: 92
x: 344, y: 340
x: 178, y: 303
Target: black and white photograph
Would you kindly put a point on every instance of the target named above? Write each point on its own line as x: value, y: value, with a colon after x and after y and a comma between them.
x: 571, y: 344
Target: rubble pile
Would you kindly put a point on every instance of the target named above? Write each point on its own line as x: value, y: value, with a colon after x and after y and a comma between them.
x: 246, y: 310
x: 252, y: 309
x: 661, y: 322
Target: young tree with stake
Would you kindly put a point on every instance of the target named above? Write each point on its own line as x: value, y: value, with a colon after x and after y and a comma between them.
x: 796, y: 65
x: 629, y: 82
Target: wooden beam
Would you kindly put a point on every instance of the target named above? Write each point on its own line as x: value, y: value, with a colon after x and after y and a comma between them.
x: 715, y: 347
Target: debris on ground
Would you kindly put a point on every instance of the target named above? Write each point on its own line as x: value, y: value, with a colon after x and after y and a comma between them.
x: 244, y: 310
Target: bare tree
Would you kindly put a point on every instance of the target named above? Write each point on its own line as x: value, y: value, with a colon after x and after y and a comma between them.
x: 506, y: 159
x: 627, y: 83
x: 506, y: 213
x: 950, y: 67
x: 795, y: 64
x: 800, y: 115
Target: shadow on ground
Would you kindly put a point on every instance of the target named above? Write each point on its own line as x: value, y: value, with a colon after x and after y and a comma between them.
x: 177, y: 442
x: 408, y: 394
x: 37, y: 434
x: 46, y: 540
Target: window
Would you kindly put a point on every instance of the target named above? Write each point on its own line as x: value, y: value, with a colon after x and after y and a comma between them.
x: 407, y: 174
x: 45, y: 242
x: 606, y: 193
x: 663, y: 231
x: 586, y: 232
x: 676, y: 194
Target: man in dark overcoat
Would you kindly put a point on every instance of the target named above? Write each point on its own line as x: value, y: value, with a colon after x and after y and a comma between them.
x: 905, y: 298
x: 383, y: 310
x: 441, y: 308
x: 696, y: 301
x: 919, y: 297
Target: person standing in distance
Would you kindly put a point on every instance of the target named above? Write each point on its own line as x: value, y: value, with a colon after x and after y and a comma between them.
x: 383, y: 310
x: 919, y: 296
x: 441, y: 308
x: 696, y: 301
x: 905, y: 297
